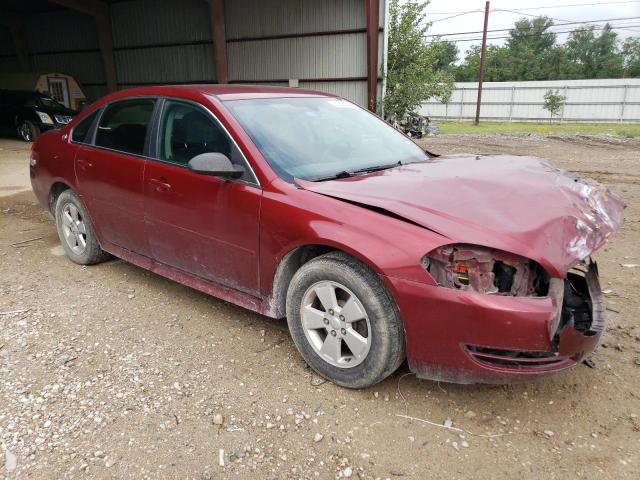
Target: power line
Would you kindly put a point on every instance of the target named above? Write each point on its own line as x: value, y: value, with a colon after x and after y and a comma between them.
x: 501, y: 37
x: 536, y: 16
x: 473, y: 39
x: 454, y: 16
x: 577, y: 5
x: 555, y: 25
x: 548, y: 7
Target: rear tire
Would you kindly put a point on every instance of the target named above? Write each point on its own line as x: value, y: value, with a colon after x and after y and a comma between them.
x: 325, y: 335
x: 28, y: 131
x: 76, y: 232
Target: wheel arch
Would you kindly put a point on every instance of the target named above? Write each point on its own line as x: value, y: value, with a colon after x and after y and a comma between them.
x: 54, y: 192
x: 289, y: 265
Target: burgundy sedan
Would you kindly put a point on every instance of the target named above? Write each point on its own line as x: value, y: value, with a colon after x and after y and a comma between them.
x: 299, y: 204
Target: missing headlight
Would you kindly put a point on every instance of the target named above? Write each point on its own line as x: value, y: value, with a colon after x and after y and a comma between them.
x: 483, y: 270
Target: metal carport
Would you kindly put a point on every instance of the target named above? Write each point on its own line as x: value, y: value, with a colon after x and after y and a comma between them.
x: 330, y: 45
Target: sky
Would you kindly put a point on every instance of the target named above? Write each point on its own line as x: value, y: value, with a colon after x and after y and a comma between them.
x: 438, y: 11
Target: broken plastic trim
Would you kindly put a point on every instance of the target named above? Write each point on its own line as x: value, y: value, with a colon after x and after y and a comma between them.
x: 515, y: 358
x: 483, y: 270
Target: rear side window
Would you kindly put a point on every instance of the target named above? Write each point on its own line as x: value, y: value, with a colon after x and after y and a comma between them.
x: 81, y: 131
x: 124, y: 124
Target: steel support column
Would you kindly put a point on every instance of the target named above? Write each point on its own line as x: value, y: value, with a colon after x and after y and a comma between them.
x: 372, y: 8
x: 218, y: 34
x: 99, y: 10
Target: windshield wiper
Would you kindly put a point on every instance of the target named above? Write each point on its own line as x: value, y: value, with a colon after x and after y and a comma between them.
x: 334, y: 176
x: 377, y: 168
x: 345, y: 174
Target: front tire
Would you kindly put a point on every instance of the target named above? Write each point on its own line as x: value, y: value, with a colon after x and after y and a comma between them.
x: 28, y: 131
x: 76, y: 232
x: 343, y: 321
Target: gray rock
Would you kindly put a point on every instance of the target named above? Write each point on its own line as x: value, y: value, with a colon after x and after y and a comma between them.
x: 10, y: 461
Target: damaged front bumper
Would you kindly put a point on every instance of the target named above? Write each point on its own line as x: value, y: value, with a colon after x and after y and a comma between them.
x: 466, y: 337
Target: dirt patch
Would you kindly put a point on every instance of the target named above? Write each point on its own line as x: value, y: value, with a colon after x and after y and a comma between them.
x: 114, y: 372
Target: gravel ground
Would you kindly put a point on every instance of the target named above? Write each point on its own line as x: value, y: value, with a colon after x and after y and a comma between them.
x: 114, y: 372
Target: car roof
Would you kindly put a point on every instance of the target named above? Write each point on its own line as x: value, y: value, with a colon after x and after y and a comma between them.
x: 222, y: 92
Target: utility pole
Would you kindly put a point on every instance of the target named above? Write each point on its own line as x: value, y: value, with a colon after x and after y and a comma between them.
x: 483, y: 52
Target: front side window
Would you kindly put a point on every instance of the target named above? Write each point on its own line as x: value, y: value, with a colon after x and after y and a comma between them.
x: 317, y: 138
x: 81, y: 131
x: 187, y: 131
x: 124, y: 124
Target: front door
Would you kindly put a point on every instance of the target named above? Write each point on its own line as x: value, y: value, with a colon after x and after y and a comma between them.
x: 59, y: 90
x: 203, y: 225
x: 110, y: 173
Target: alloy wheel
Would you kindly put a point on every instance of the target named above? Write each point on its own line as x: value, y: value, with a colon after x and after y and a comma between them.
x: 25, y: 132
x: 336, y: 324
x: 74, y: 228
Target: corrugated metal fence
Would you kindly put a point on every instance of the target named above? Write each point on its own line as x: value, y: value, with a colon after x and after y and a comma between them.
x: 602, y: 100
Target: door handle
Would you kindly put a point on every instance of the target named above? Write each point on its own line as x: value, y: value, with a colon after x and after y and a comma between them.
x: 160, y: 185
x: 84, y: 164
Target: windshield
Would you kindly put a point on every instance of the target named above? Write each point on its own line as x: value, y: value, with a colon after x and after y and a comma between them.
x: 49, y: 102
x: 39, y: 101
x: 318, y: 138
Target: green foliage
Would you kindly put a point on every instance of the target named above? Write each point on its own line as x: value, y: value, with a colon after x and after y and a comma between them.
x: 496, y: 67
x: 593, y: 55
x: 415, y: 70
x: 527, y: 128
x: 529, y: 46
x: 446, y: 54
x: 631, y: 57
x: 531, y: 53
x: 553, y: 102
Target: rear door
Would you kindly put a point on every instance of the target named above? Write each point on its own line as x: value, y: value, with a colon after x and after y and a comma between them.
x: 200, y: 224
x: 110, y: 171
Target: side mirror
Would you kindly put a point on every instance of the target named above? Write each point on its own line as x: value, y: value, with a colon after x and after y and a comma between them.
x: 216, y: 165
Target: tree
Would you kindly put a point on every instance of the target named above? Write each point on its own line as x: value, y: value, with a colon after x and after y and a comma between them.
x: 631, y: 57
x: 530, y: 43
x: 411, y: 76
x: 497, y: 66
x: 553, y: 102
x: 446, y: 54
x: 595, y: 56
x: 532, y: 53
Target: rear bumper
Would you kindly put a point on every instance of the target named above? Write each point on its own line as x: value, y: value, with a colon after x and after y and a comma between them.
x: 464, y: 337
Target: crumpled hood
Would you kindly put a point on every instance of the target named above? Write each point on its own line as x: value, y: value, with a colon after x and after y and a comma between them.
x: 522, y: 205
